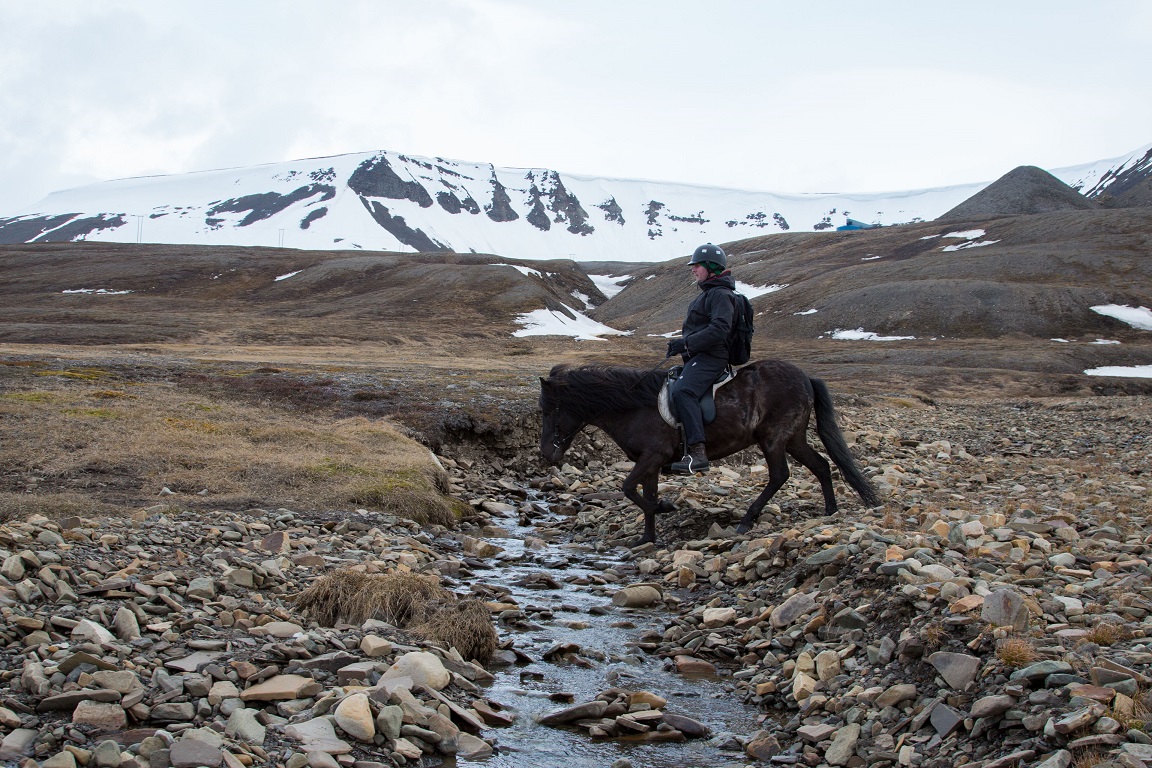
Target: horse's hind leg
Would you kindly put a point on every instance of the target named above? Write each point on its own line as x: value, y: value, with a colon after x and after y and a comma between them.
x: 777, y: 476
x: 799, y: 449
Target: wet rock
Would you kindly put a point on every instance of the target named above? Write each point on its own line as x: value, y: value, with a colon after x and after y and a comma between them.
x: 591, y: 709
x: 638, y: 596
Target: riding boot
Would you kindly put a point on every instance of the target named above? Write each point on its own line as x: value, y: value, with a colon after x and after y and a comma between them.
x: 694, y: 461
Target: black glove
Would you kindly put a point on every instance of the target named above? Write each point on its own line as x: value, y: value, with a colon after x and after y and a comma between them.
x: 677, y: 347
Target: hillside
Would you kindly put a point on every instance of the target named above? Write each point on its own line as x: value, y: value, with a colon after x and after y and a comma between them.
x: 106, y: 293
x: 964, y: 303
x: 1033, y: 275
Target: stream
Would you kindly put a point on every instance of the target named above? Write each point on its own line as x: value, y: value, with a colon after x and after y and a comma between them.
x: 607, y: 656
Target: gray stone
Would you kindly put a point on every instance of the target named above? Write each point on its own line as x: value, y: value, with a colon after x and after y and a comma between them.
x: 1005, y: 608
x: 991, y: 706
x: 829, y: 555
x: 194, y: 753
x: 945, y: 719
x: 1035, y: 673
x: 693, y: 729
x: 957, y: 669
x: 389, y: 719
x: 18, y: 744
x: 243, y: 726
x: 470, y: 747
x: 591, y: 709
x: 792, y: 609
x: 174, y: 712
x: 843, y: 746
x: 202, y: 587
x: 106, y: 754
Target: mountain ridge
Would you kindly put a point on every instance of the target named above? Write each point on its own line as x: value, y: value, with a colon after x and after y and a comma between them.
x: 391, y: 201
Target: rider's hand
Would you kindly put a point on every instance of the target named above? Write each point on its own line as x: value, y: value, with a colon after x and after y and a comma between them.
x: 677, y: 347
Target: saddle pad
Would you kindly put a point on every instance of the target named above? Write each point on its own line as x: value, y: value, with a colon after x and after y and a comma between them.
x: 708, y: 406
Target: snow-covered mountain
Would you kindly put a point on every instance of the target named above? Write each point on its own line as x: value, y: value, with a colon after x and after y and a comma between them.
x: 389, y: 201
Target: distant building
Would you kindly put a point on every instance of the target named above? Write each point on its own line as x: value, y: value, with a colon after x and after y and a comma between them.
x: 852, y: 224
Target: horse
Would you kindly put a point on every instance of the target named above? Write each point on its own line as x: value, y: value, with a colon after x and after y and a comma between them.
x: 769, y: 403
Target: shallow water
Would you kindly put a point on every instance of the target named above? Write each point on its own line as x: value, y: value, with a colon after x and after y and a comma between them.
x: 607, y: 641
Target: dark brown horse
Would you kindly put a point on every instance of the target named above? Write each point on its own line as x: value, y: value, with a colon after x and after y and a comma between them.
x: 768, y: 404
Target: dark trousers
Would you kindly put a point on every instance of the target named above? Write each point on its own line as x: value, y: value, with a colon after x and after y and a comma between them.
x: 700, y: 373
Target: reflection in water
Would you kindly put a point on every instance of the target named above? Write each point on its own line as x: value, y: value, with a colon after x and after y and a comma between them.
x: 607, y: 658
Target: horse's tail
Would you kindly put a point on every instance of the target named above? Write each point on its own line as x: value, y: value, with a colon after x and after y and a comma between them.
x: 833, y: 439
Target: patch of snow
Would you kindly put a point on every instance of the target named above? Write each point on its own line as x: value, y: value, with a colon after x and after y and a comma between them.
x: 1105, y: 341
x: 861, y: 335
x: 930, y: 237
x: 806, y: 312
x: 1062, y: 341
x: 290, y: 274
x: 583, y: 298
x: 609, y: 285
x: 970, y: 234
x: 872, y: 258
x: 96, y: 291
x: 1137, y: 317
x: 545, y: 322
x: 669, y: 335
x: 1131, y: 371
x: 752, y: 291
x: 523, y: 270
x: 969, y: 244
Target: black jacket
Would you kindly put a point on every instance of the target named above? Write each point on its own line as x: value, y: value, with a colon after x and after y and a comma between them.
x: 710, y: 318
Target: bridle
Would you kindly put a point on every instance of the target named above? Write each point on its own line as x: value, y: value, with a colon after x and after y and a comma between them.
x: 558, y: 442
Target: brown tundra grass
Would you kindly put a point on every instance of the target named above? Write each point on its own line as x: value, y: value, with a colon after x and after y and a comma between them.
x: 83, y: 442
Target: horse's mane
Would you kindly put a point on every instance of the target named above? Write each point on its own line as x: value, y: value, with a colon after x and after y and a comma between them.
x: 588, y: 391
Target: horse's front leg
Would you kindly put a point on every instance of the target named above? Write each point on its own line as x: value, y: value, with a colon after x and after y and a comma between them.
x: 646, y: 474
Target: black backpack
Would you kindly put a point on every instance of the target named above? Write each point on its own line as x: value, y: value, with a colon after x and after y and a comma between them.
x: 740, y: 337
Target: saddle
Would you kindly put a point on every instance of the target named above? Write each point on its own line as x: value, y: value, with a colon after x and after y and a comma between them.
x: 707, y: 402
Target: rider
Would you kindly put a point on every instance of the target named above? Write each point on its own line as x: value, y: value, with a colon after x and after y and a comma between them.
x: 704, y: 348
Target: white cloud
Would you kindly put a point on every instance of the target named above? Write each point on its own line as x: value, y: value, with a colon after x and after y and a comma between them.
x: 91, y: 91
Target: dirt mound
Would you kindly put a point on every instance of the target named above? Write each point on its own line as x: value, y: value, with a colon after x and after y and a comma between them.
x: 1023, y: 190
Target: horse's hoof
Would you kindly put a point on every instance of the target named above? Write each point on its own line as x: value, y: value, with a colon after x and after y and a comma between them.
x: 743, y: 528
x: 641, y: 542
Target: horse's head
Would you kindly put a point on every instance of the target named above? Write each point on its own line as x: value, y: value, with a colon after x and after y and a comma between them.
x: 558, y: 426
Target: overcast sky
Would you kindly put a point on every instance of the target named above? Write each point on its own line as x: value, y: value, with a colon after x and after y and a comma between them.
x: 834, y: 96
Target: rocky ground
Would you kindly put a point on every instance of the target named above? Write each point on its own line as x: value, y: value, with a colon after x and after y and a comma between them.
x: 994, y: 612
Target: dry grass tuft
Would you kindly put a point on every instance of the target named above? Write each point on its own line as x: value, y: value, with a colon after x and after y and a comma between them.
x: 465, y: 625
x: 1016, y: 651
x: 353, y: 597
x: 1105, y: 634
x: 1089, y: 758
x: 932, y: 635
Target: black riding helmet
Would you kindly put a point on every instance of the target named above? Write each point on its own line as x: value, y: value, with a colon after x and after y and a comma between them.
x: 711, y: 256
